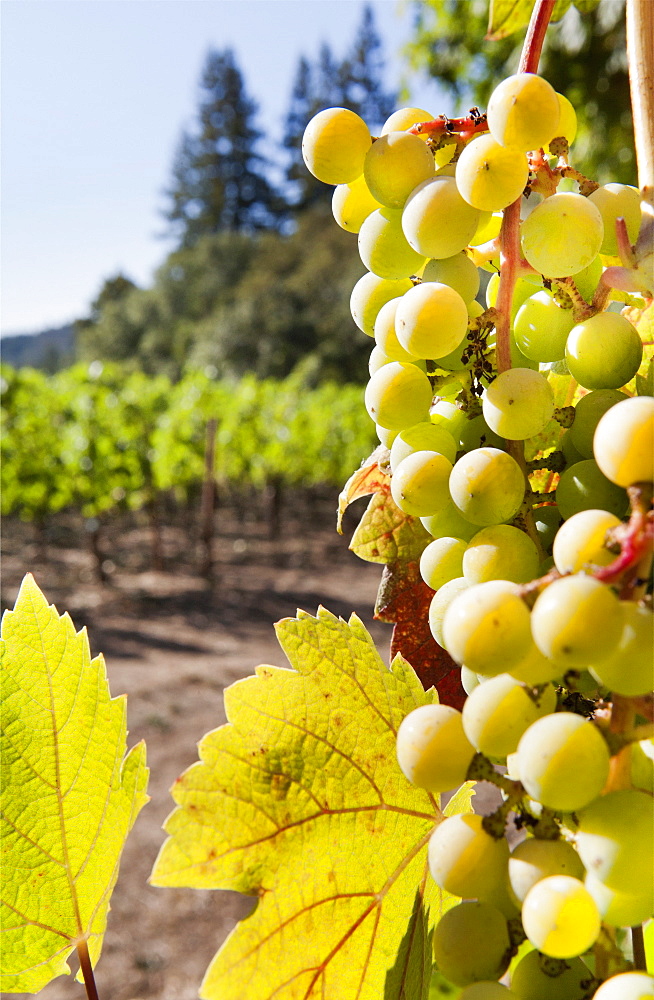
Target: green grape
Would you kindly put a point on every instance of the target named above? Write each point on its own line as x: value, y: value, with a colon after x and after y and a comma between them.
x: 499, y: 711
x: 458, y: 272
x: 440, y: 603
x: 385, y: 336
x: 453, y: 362
x: 642, y: 765
x: 395, y: 164
x: 419, y: 483
x: 405, y: 118
x: 588, y: 278
x: 562, y: 235
x: 588, y: 412
x: 546, y: 521
x: 621, y: 909
x: 471, y: 942
x: 537, y: 977
x: 535, y: 669
x: 352, y: 204
x: 385, y: 435
x: 431, y: 320
x: 500, y: 552
x: 486, y: 990
x: 488, y: 486
x: 570, y: 453
x: 522, y: 291
x: 422, y: 437
x: 627, y: 986
x: 560, y: 917
x: 580, y: 541
x: 422, y: 220
x: 369, y: 295
x: 541, y: 327
x: 615, y: 840
x: 441, y: 561
x: 335, y: 144
x: 518, y: 359
x: 383, y: 247
x: 567, y: 127
x: 533, y: 860
x: 490, y: 176
x: 623, y: 442
x: 576, y: 620
x: 377, y: 359
x: 629, y: 670
x: 563, y: 762
x: 615, y: 201
x: 464, y: 859
x: 398, y: 395
x: 449, y: 416
x: 518, y: 404
x: 487, y: 627
x: 450, y: 522
x: 477, y: 434
x: 584, y: 486
x: 604, y: 352
x: 524, y: 111
x: 432, y: 749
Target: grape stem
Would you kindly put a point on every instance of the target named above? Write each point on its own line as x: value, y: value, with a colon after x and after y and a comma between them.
x: 442, y: 126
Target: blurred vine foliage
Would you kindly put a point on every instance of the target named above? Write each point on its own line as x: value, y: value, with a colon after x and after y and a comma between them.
x: 584, y: 56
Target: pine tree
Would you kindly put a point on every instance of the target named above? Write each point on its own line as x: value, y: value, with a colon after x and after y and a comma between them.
x: 219, y: 181
x: 362, y: 75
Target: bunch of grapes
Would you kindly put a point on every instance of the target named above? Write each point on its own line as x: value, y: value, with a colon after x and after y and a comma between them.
x: 539, y: 567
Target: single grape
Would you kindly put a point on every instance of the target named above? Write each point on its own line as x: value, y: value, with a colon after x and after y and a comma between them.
x: 383, y: 247
x: 518, y: 404
x: 535, y: 669
x: 627, y: 986
x: 615, y: 840
x: 491, y: 176
x: 471, y: 942
x: 588, y: 413
x: 385, y: 336
x: 542, y: 327
x: 369, y: 295
x: 588, y: 278
x: 395, y: 164
x: 440, y: 603
x: 431, y: 320
x: 560, y: 917
x: 352, y: 204
x: 419, y: 483
x: 335, y: 145
x: 567, y: 127
x: 464, y: 859
x: 584, y: 486
x: 570, y: 453
x: 385, y: 436
x: 458, y: 272
x: 377, y: 359
x: 424, y: 436
x: 450, y: 416
x: 405, y: 118
x: 629, y: 670
x: 576, y: 620
x: 580, y: 541
x: 562, y: 235
x: 441, y: 561
x: 563, y: 762
x: 477, y: 434
x: 615, y: 201
x: 488, y: 228
x: 623, y: 443
x: 533, y: 860
x: 621, y: 909
x: 422, y: 220
x: 449, y: 522
x: 398, y: 395
x: 432, y: 749
x: 524, y: 111
x: 537, y: 977
x: 499, y: 711
x: 488, y: 486
x: 500, y: 552
x: 547, y: 520
x: 604, y: 352
x: 487, y: 627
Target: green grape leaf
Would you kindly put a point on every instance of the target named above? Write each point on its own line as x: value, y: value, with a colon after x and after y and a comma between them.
x: 299, y: 801
x: 508, y: 16
x: 386, y: 534
x: 70, y: 792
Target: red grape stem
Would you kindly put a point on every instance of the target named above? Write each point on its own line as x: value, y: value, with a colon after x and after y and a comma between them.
x: 462, y: 127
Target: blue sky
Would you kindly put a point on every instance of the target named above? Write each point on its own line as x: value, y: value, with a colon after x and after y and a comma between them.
x: 95, y: 94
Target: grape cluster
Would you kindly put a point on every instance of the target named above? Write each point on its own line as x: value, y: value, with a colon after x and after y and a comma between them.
x: 537, y: 594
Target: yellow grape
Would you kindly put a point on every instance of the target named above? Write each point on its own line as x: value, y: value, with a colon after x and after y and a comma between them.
x: 369, y: 295
x: 436, y: 220
x: 395, y: 164
x: 576, y: 620
x: 352, y: 204
x: 624, y: 441
x: 533, y: 860
x: 629, y: 670
x: 580, y: 541
x: 562, y: 235
x: 335, y: 144
x: 518, y: 404
x: 405, y: 118
x: 488, y: 486
x: 486, y: 627
x: 432, y: 749
x: 419, y: 483
x: 398, y: 395
x: 431, y: 320
x: 464, y: 859
x: 567, y: 127
x: 383, y: 247
x: 490, y: 176
x: 524, y: 111
x: 385, y: 336
x: 627, y: 986
x: 560, y: 917
x: 458, y: 272
x: 613, y: 201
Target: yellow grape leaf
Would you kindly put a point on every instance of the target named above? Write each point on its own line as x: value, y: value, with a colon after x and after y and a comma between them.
x: 299, y: 800
x: 385, y: 534
x: 70, y: 795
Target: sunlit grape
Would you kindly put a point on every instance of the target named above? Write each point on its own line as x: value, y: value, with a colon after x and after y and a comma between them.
x: 617, y: 201
x: 432, y: 749
x: 567, y: 127
x: 398, y: 395
x: 580, y: 541
x: 427, y: 207
x: 419, y: 483
x: 524, y: 111
x: 623, y: 443
x: 621, y: 909
x: 533, y: 860
x: 576, y: 620
x: 499, y: 711
x: 383, y: 247
x: 431, y: 320
x: 395, y: 164
x: 352, y: 204
x: 541, y: 327
x: 500, y: 552
x: 615, y: 839
x: 518, y: 404
x: 385, y: 336
x: 441, y: 561
x: 629, y: 670
x: 335, y: 144
x: 424, y: 436
x: 458, y: 272
x: 464, y: 859
x: 488, y: 486
x: 450, y: 522
x: 369, y: 295
x: 471, y: 942
x: 562, y: 235
x: 487, y: 627
x: 405, y: 118
x: 560, y: 917
x: 627, y: 986
x: 440, y: 603
x: 491, y: 176
x: 603, y: 352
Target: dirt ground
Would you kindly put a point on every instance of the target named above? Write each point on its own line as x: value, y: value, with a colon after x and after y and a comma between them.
x: 173, y: 642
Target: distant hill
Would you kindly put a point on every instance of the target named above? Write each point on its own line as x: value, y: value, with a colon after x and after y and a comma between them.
x: 49, y: 350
